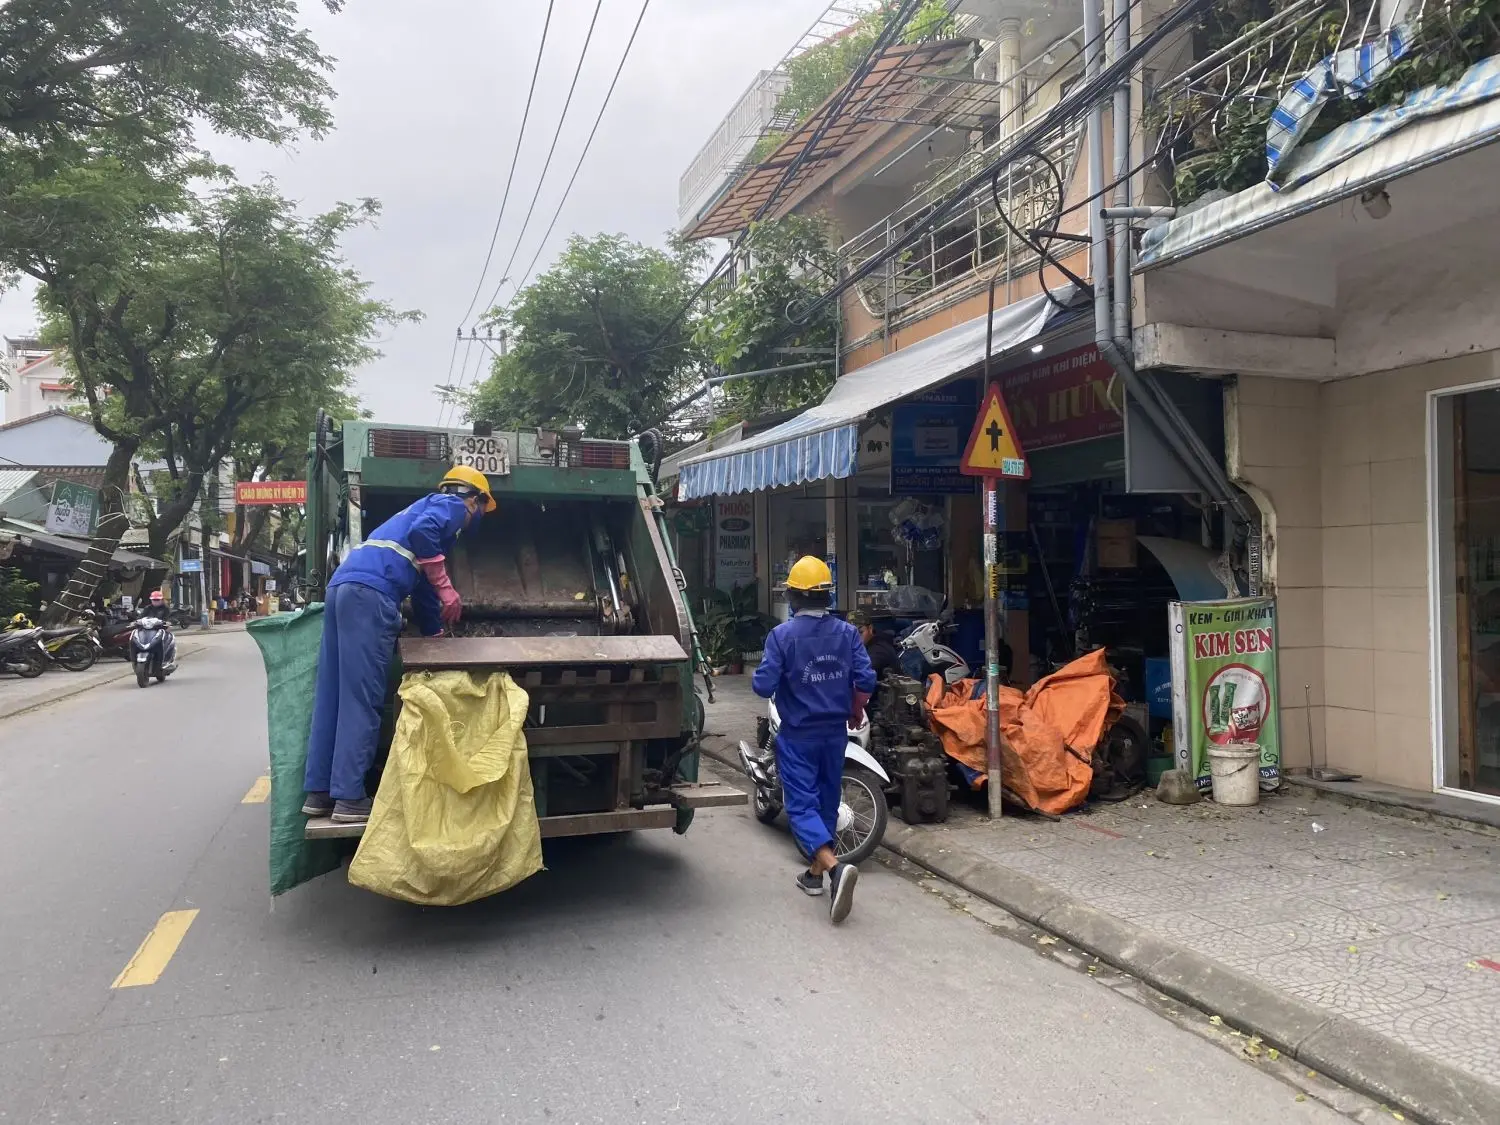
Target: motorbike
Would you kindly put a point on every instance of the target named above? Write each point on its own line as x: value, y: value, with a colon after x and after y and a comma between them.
x: 153, y: 649
x: 22, y: 654
x: 863, y: 810
x: 73, y: 647
x: 114, y: 633
x: 924, y: 652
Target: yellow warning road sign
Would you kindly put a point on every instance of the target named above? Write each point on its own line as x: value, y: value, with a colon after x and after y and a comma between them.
x: 993, y: 449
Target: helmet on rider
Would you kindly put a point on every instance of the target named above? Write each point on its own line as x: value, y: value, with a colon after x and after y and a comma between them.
x: 467, y: 481
x: 18, y: 621
x: 157, y: 598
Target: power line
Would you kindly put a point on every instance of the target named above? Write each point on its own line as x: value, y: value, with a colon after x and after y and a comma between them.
x: 515, y: 157
x: 551, y: 151
x: 586, y: 146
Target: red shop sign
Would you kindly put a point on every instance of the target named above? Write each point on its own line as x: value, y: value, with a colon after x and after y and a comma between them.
x: 1063, y: 399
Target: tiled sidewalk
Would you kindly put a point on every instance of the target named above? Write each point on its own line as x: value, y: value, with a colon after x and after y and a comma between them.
x: 1391, y: 924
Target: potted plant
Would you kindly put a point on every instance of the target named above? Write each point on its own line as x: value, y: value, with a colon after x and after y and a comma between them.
x: 731, y: 625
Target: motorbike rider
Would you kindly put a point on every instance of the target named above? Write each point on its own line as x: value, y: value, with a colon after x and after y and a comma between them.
x: 403, y: 557
x: 879, y: 647
x: 820, y: 675
x: 154, y: 606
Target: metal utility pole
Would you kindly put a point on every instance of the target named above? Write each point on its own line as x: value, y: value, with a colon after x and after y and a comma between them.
x: 991, y: 592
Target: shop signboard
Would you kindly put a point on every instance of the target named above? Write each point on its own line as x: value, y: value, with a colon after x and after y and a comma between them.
x: 265, y: 493
x: 73, y: 509
x: 927, y: 441
x: 1066, y: 398
x: 734, y: 541
x: 1224, y: 683
x: 191, y: 566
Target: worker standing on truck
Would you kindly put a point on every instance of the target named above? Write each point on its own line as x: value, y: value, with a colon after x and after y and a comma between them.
x: 403, y: 557
x: 816, y: 667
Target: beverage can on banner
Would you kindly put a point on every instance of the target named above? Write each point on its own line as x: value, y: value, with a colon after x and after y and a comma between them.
x: 1224, y: 689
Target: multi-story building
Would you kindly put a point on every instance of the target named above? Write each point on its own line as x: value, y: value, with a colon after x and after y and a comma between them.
x: 35, y: 379
x: 1283, y: 383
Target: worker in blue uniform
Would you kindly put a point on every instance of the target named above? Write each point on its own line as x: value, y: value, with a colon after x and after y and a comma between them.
x: 403, y: 557
x: 816, y: 667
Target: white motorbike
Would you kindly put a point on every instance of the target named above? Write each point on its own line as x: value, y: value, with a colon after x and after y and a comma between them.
x: 923, y: 653
x: 863, y: 810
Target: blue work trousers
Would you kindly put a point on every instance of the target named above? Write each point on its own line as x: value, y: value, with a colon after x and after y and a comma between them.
x: 360, y: 626
x: 812, y: 772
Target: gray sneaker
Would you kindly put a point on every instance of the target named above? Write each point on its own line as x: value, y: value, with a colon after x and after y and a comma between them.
x: 352, y: 812
x: 841, y: 881
x: 317, y: 805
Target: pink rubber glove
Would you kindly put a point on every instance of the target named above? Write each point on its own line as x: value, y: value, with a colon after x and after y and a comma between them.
x: 437, y: 575
x: 861, y: 701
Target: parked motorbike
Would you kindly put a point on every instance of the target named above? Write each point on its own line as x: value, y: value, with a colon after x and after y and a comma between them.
x: 73, y: 647
x: 22, y: 654
x: 153, y: 649
x: 924, y: 652
x: 114, y: 633
x: 863, y: 811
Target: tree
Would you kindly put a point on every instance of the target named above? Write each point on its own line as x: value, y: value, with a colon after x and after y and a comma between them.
x: 147, y: 69
x: 225, y: 315
x: 598, y: 340
x: 789, y: 262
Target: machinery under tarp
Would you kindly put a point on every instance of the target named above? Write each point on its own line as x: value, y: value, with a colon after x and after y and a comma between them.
x: 1050, y: 731
x: 455, y: 816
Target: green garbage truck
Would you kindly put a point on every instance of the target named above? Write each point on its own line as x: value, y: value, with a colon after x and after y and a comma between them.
x: 571, y: 587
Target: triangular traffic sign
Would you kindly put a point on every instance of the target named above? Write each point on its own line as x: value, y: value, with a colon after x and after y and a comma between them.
x: 993, y: 449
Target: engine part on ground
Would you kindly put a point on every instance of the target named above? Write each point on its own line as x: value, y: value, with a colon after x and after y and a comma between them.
x: 907, y: 750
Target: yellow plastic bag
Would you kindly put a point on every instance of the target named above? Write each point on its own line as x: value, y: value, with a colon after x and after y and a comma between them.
x: 455, y: 818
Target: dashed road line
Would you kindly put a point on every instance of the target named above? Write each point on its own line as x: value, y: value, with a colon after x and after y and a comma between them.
x: 155, y: 953
x: 258, y: 792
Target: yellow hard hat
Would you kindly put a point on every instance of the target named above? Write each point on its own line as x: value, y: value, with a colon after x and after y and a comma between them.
x: 810, y: 575
x: 467, y: 474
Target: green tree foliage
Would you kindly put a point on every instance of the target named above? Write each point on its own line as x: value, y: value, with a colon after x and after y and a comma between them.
x: 817, y: 74
x: 584, y: 341
x: 17, y: 595
x: 147, y: 69
x: 791, y: 261
x: 228, y: 314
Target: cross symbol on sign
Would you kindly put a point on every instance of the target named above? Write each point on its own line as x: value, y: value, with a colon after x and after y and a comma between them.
x: 994, y: 433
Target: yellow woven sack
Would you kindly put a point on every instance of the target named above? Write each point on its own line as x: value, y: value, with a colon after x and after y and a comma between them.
x: 455, y: 818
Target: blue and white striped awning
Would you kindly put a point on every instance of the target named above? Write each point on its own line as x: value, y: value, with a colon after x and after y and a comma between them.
x: 823, y: 441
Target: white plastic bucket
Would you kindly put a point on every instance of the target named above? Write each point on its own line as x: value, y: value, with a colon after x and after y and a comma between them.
x: 1235, y: 770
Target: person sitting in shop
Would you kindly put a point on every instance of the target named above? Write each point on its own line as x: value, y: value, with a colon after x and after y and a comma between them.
x: 879, y: 647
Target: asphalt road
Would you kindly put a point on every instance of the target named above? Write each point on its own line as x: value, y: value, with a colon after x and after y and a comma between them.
x: 648, y: 979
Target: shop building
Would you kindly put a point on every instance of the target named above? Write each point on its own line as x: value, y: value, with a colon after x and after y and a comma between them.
x: 1350, y: 316
x: 1096, y: 545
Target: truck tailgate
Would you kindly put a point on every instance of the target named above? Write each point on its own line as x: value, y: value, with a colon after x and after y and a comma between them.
x: 511, y: 653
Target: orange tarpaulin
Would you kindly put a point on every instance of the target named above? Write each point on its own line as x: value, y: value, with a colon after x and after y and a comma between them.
x: 1049, y: 732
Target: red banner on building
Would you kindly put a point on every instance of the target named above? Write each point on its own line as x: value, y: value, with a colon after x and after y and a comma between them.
x: 263, y: 493
x: 1064, y: 398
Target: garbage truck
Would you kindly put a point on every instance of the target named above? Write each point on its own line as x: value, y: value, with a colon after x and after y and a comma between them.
x: 571, y: 587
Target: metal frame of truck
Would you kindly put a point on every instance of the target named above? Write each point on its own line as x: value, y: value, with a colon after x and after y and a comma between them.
x: 627, y: 699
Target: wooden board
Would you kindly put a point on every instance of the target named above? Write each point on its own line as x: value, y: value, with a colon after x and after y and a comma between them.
x: 708, y: 795
x: 510, y: 653
x: 580, y: 824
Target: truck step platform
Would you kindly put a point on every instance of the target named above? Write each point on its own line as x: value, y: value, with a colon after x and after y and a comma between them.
x: 707, y: 795
x: 578, y: 824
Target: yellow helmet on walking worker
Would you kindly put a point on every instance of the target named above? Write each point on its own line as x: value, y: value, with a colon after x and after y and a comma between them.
x: 470, y: 477
x: 810, y: 575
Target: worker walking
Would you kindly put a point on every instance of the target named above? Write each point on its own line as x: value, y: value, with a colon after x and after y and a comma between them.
x: 816, y: 667
x: 403, y: 557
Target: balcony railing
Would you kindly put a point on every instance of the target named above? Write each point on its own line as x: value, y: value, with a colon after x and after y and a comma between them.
x: 1031, y: 192
x: 1211, y: 118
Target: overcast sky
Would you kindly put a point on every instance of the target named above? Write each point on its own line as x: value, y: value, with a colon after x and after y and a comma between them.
x: 430, y: 96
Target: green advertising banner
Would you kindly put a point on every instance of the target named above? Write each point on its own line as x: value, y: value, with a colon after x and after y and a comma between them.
x: 1224, y: 683
x: 73, y: 509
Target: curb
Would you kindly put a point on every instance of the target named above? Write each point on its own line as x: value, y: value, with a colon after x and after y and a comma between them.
x: 1364, y: 1060
x: 71, y: 691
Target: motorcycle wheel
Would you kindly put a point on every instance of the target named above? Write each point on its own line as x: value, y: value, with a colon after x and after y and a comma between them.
x: 161, y: 677
x: 77, y: 655
x: 863, y: 815
x: 765, y: 807
x: 142, y: 673
x: 27, y: 665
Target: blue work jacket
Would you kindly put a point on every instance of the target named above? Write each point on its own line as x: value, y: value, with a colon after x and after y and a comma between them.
x: 813, y: 665
x: 387, y: 559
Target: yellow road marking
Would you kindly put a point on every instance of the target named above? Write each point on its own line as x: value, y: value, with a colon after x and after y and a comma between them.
x: 151, y: 959
x: 258, y: 792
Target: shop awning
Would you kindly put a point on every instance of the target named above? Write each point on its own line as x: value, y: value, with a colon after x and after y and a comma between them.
x: 1433, y: 124
x: 72, y: 548
x: 823, y: 441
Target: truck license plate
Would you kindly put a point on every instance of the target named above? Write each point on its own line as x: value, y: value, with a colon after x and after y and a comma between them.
x: 490, y: 455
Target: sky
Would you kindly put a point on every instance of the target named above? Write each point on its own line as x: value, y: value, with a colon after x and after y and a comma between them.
x: 430, y: 98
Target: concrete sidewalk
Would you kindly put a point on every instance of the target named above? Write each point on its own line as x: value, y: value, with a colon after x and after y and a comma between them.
x: 1365, y: 945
